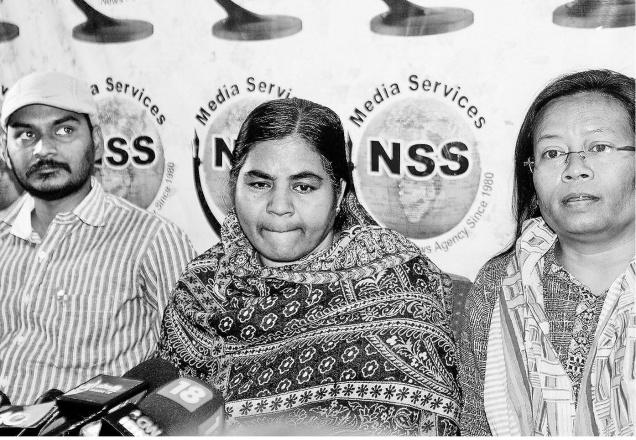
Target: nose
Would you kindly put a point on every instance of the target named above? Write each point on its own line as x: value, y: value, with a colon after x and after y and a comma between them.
x: 44, y: 147
x: 280, y: 202
x: 576, y: 168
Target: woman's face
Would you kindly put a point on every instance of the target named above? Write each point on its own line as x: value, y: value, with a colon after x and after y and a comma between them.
x: 285, y: 201
x: 590, y: 198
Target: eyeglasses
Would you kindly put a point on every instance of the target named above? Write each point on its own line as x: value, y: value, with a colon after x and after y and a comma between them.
x: 552, y: 158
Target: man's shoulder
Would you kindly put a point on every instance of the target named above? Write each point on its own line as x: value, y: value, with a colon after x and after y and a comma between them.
x: 126, y: 217
x: 126, y: 209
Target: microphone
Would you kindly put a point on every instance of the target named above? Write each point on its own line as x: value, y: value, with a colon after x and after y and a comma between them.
x: 93, y: 399
x: 19, y: 419
x: 154, y: 372
x: 89, y: 401
x: 4, y: 401
x: 48, y: 396
x: 185, y: 406
x: 36, y: 425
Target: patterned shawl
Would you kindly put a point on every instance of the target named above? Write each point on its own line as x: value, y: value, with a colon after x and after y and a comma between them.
x: 353, y: 339
x: 526, y: 389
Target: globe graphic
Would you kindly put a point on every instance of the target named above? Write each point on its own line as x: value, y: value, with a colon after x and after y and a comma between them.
x: 418, y: 207
x: 226, y: 126
x: 125, y: 118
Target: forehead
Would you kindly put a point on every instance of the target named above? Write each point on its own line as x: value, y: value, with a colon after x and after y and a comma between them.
x: 287, y: 156
x: 42, y: 115
x: 587, y: 111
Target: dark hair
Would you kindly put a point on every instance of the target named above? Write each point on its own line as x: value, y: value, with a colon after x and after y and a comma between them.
x: 606, y: 82
x: 316, y: 124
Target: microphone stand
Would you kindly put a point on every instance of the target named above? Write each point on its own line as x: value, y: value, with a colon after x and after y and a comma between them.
x: 595, y: 14
x: 8, y: 31
x: 100, y: 28
x: 242, y: 24
x: 406, y: 19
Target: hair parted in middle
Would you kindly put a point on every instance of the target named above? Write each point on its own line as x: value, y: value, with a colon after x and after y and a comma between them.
x: 315, y: 124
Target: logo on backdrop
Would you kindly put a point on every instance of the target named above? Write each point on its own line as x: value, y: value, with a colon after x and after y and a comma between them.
x: 133, y: 165
x: 417, y: 160
x: 217, y: 123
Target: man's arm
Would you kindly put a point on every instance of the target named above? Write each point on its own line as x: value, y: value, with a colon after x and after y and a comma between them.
x: 164, y: 260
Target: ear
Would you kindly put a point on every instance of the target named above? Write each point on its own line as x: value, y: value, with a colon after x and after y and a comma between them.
x: 4, y: 155
x: 98, y: 141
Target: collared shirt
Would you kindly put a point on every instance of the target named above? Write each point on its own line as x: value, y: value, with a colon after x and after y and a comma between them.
x: 85, y: 299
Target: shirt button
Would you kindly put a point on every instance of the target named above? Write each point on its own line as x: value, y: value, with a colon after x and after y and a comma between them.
x: 20, y: 339
x: 61, y: 294
x: 4, y: 382
x: 42, y: 255
x: 26, y: 299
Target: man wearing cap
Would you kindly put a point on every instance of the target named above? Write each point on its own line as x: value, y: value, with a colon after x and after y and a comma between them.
x: 84, y: 275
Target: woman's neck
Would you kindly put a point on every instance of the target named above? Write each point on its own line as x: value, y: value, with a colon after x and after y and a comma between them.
x: 596, y: 266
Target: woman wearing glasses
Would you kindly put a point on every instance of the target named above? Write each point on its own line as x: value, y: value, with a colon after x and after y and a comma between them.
x: 548, y: 346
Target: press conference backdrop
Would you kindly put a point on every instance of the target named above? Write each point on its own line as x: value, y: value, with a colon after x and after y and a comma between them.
x: 432, y: 94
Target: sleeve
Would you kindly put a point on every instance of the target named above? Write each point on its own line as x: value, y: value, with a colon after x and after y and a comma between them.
x: 164, y: 260
x: 472, y: 346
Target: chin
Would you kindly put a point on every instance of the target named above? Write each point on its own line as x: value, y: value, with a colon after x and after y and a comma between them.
x: 282, y: 258
x: 584, y: 227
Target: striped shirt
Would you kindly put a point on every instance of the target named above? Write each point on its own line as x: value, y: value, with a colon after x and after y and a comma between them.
x: 85, y: 299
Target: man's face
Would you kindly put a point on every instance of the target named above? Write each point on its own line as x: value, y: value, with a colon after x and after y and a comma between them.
x: 50, y: 150
x: 592, y: 197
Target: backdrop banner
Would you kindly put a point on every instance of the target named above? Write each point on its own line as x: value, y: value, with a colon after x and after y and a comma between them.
x: 431, y: 93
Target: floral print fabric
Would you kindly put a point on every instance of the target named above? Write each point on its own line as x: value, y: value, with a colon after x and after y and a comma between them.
x: 354, y: 339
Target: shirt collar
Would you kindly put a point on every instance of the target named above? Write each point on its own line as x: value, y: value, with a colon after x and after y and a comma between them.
x: 91, y: 210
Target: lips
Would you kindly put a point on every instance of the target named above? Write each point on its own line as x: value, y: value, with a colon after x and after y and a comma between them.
x: 579, y: 197
x: 278, y: 231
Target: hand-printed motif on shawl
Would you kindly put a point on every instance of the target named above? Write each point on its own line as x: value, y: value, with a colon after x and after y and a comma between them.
x: 354, y: 339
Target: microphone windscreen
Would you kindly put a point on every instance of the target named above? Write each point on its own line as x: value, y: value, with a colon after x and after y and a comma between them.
x: 155, y: 372
x: 48, y: 396
x: 129, y: 420
x: 186, y: 406
x: 16, y: 418
x: 98, y: 394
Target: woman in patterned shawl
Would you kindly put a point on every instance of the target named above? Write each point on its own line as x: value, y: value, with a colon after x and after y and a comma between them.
x: 308, y: 316
x: 548, y: 344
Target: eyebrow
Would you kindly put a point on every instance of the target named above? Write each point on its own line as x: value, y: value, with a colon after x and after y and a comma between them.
x: 258, y: 174
x: 68, y: 118
x: 306, y: 175
x: 302, y: 175
x: 547, y: 137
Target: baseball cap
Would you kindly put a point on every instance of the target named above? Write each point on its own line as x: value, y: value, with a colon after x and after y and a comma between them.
x: 49, y: 88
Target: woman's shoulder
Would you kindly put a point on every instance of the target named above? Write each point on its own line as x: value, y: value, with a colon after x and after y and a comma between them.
x: 494, y: 270
x: 489, y: 279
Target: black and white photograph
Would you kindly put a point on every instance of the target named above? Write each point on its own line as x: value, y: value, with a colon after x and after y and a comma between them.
x: 317, y: 218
